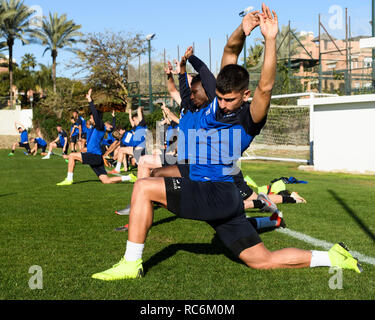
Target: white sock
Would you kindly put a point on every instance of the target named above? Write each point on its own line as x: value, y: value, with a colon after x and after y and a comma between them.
x: 118, y: 166
x: 320, y: 259
x: 263, y: 223
x: 49, y: 154
x: 70, y: 176
x: 125, y: 178
x: 134, y: 251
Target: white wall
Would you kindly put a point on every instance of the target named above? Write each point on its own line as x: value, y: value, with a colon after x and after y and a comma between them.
x: 343, y: 133
x: 8, y: 117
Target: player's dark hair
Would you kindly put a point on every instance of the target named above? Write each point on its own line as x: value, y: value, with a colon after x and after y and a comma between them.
x: 58, y: 125
x: 232, y: 78
x: 196, y: 79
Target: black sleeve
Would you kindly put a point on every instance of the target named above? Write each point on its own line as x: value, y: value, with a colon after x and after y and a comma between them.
x: 114, y: 122
x: 143, y: 123
x: 207, y: 77
x: 99, y: 125
x: 248, y: 123
x: 185, y: 92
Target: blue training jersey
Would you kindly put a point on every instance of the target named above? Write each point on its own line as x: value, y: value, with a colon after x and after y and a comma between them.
x: 24, y: 136
x: 41, y: 142
x: 217, y: 141
x: 138, y: 138
x: 76, y: 130
x: 62, y: 136
x: 81, y: 121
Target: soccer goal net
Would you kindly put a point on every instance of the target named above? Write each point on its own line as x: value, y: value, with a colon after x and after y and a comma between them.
x: 286, y: 136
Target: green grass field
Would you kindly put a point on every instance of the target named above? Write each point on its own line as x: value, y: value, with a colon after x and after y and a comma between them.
x: 69, y: 232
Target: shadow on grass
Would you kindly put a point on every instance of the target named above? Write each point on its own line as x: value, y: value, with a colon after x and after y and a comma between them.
x: 87, y: 181
x: 7, y: 195
x: 166, y: 220
x: 216, y: 247
x: 353, y: 215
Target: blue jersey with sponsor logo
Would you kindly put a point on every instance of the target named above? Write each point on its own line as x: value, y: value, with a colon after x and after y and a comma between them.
x: 217, y: 141
x: 127, y: 138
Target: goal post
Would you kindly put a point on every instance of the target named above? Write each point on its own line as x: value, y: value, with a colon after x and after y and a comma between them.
x: 288, y: 133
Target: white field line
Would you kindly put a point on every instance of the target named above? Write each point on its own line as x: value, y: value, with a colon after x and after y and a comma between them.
x: 324, y: 244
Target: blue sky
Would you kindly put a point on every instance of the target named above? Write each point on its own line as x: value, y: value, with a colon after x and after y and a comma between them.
x: 180, y: 23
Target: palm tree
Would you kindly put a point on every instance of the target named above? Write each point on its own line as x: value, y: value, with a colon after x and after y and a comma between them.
x: 28, y: 61
x: 56, y: 33
x: 15, y: 25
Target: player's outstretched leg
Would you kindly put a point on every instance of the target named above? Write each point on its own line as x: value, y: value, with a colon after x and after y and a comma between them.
x: 145, y: 192
x: 259, y: 257
x: 73, y: 157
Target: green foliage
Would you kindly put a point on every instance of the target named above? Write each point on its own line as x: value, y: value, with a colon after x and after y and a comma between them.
x: 285, y: 83
x: 47, y: 122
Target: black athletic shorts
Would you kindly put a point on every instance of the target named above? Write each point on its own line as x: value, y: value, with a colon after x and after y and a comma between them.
x: 96, y: 163
x: 24, y: 145
x: 74, y: 139
x: 138, y: 153
x: 42, y: 147
x: 60, y: 146
x: 167, y: 159
x: 84, y: 135
x: 220, y: 204
x: 245, y: 190
x: 184, y: 170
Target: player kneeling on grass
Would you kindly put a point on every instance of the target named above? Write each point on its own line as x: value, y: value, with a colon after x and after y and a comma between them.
x: 210, y: 195
x: 60, y: 142
x: 39, y: 143
x: 93, y: 156
x: 24, y: 143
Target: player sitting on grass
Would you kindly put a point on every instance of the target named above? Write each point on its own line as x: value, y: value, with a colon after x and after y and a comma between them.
x: 39, y: 143
x: 136, y: 142
x: 60, y: 142
x: 24, y: 143
x: 93, y: 156
x: 210, y: 194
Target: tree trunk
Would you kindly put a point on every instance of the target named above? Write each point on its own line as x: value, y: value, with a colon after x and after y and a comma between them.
x: 54, y: 56
x: 10, y: 44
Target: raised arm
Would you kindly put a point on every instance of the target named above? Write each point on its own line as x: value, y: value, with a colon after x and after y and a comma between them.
x: 98, y: 120
x: 171, y: 86
x: 140, y: 114
x: 262, y: 97
x: 132, y: 124
x: 236, y: 41
x: 171, y: 116
x: 207, y: 77
x: 113, y: 119
x: 19, y: 125
x: 185, y: 90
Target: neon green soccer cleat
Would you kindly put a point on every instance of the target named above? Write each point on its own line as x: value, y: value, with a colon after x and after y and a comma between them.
x: 65, y: 183
x: 340, y: 257
x: 11, y: 155
x: 133, y: 178
x: 122, y: 270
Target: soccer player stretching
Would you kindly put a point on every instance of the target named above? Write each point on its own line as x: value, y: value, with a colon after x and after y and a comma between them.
x: 93, y: 156
x: 210, y: 195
